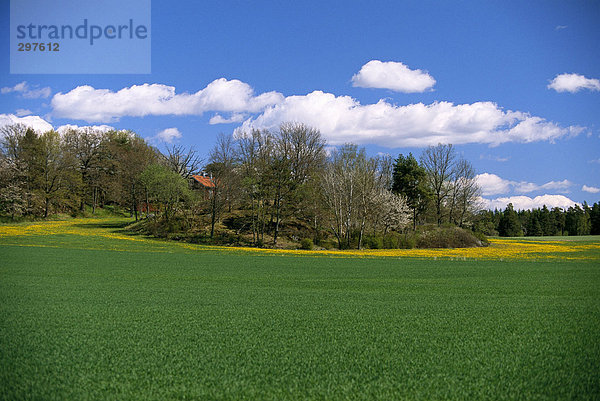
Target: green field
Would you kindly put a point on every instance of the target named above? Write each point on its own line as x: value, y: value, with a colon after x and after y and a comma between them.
x: 150, y: 321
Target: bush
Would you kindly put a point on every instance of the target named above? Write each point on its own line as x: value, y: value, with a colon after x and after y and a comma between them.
x: 481, y: 237
x: 394, y: 240
x: 306, y: 244
x: 373, y: 242
x: 447, y: 237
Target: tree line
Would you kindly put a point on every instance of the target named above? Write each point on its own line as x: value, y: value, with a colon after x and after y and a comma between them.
x: 267, y: 186
x: 575, y: 220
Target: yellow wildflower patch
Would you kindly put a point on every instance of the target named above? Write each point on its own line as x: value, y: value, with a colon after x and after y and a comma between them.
x: 499, y: 249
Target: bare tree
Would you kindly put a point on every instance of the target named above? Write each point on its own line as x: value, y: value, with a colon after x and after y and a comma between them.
x: 223, y: 163
x: 438, y: 161
x: 298, y: 153
x: 466, y: 193
x: 184, y: 162
x: 255, y: 151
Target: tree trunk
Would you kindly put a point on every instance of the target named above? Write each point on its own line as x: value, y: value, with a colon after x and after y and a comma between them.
x: 213, y: 217
x: 277, y: 216
x: 94, y: 199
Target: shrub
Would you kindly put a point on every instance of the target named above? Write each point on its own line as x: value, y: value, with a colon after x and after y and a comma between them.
x: 448, y: 237
x: 394, y: 240
x: 481, y: 237
x: 306, y: 244
x: 373, y: 242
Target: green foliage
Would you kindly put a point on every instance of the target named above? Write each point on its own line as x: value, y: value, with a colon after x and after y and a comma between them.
x: 306, y: 244
x: 395, y: 240
x: 447, y: 237
x: 482, y: 237
x: 410, y: 180
x: 373, y: 242
x: 165, y: 187
x: 510, y: 225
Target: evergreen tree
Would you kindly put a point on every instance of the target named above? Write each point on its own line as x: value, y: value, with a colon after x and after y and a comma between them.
x: 410, y: 181
x: 510, y: 225
x: 595, y: 219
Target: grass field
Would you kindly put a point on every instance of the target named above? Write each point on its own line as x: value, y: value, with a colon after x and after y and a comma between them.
x: 87, y: 312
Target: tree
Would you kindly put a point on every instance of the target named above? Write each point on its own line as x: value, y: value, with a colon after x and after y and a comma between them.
x: 510, y: 226
x: 298, y: 154
x: 54, y: 167
x: 13, y: 193
x: 465, y: 192
x: 394, y: 209
x: 129, y: 155
x: 339, y: 189
x: 84, y: 144
x: 355, y: 193
x: 595, y: 219
x: 183, y: 162
x: 165, y: 187
x: 410, y: 181
x: 438, y: 162
x: 255, y: 154
x: 223, y: 164
x: 577, y: 220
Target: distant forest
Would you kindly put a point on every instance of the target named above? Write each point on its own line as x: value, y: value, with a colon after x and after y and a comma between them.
x: 576, y: 220
x: 262, y: 188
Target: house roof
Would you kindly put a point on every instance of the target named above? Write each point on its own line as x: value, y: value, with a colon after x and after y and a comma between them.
x: 204, y: 181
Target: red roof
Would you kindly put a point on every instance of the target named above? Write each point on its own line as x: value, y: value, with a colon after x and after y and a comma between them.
x: 205, y: 181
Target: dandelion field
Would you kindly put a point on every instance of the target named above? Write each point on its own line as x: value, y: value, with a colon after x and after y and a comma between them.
x: 89, y: 312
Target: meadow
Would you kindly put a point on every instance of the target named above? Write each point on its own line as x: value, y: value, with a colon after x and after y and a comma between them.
x: 90, y: 312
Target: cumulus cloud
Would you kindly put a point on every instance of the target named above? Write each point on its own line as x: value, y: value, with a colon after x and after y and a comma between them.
x: 394, y: 76
x: 22, y: 112
x: 343, y: 119
x: 494, y: 158
x: 96, y: 128
x: 234, y: 118
x: 168, y: 135
x: 525, y: 202
x: 103, y: 105
x: 573, y: 83
x: 491, y: 184
x: 592, y: 190
x: 35, y: 122
x: 27, y: 92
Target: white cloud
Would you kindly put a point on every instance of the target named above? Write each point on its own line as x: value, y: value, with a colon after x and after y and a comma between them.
x: 168, y: 135
x: 573, y: 83
x: 494, y: 158
x: 103, y: 105
x: 218, y: 119
x: 491, y: 184
x: 97, y: 128
x: 592, y: 190
x: 392, y: 75
x: 27, y: 92
x: 525, y: 202
x: 35, y: 122
x: 22, y: 112
x: 559, y: 27
x: 594, y: 161
x: 343, y: 119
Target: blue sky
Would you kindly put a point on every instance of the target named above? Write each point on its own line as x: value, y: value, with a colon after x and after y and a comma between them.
x: 514, y: 85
